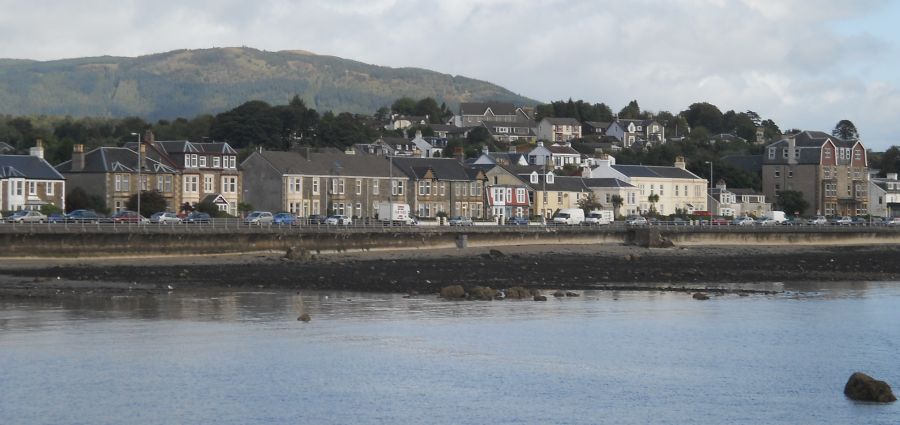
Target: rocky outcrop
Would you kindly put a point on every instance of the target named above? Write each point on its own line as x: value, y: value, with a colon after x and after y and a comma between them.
x: 540, y: 298
x: 862, y: 387
x: 482, y: 293
x: 517, y: 293
x: 700, y: 296
x: 304, y: 318
x: 453, y: 292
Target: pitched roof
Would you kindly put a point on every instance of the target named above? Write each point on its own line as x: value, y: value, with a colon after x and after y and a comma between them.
x: 27, y: 166
x: 598, y: 124
x: 330, y: 163
x: 443, y: 168
x: 562, y: 121
x: 560, y: 183
x: 110, y: 159
x: 654, y: 171
x: 563, y: 150
x: 480, y: 108
x: 606, y: 182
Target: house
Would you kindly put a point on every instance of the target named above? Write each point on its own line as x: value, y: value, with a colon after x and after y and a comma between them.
x: 472, y: 114
x: 727, y: 202
x: 447, y: 131
x: 505, y: 201
x: 555, y: 129
x: 443, y: 185
x: 402, y: 122
x: 832, y: 174
x: 112, y: 173
x: 630, y: 131
x: 511, y: 131
x: 677, y: 188
x: 427, y: 148
x: 499, y: 158
x: 605, y: 189
x: 594, y: 128
x: 28, y: 182
x: 552, y: 192
x: 884, y: 196
x: 557, y: 155
x: 325, y: 182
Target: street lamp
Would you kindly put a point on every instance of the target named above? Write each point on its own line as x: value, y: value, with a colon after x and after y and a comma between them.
x: 140, y: 183
x: 710, y: 175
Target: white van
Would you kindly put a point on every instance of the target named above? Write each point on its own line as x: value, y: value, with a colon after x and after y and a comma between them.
x: 569, y: 216
x: 599, y: 217
x: 776, y: 216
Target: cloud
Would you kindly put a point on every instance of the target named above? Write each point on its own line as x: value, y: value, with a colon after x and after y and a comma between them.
x: 803, y: 63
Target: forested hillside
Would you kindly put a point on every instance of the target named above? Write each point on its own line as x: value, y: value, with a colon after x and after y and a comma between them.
x: 185, y: 83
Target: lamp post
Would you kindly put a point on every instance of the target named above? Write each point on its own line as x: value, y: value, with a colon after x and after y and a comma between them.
x: 710, y: 175
x: 140, y: 183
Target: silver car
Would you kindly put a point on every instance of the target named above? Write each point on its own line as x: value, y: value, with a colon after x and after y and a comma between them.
x: 338, y: 220
x: 27, y: 217
x: 259, y: 218
x: 165, y: 218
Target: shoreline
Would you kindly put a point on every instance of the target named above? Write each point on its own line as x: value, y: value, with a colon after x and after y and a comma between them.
x: 751, y: 269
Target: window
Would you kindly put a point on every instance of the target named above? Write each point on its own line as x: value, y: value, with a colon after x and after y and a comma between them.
x: 632, y: 198
x: 790, y: 174
x: 661, y: 190
x: 217, y: 162
x: 425, y: 187
x: 145, y: 182
x: 208, y: 183
x: 397, y: 187
x: 857, y: 154
x: 194, y: 160
x: 358, y: 210
x: 191, y: 183
x: 315, y: 188
x: 697, y: 189
x: 784, y: 153
x: 831, y: 189
x: 771, y: 153
x: 559, y: 197
x: 827, y: 153
x: 32, y: 188
x: 187, y: 161
x: 652, y: 189
x: 777, y: 173
x: 203, y: 161
x: 315, y: 207
x: 340, y: 186
x: 358, y: 187
x: 777, y: 187
x: 796, y: 152
x: 50, y: 188
x: 676, y: 193
x: 375, y: 188
x: 534, y: 178
x: 168, y: 183
x: 295, y: 184
x: 474, y: 189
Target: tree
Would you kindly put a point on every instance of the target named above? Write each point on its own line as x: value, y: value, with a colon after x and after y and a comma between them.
x: 479, y: 136
x: 631, y: 112
x: 791, y: 202
x: 845, y: 130
x: 404, y: 106
x: 703, y: 114
x: 617, y: 202
x: 589, y: 203
x: 890, y: 161
x: 653, y: 199
x: 151, y: 202
x: 78, y: 199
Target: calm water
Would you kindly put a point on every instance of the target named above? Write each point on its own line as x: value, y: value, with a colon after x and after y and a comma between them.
x: 606, y: 357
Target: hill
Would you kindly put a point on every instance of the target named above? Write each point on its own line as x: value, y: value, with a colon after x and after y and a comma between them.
x: 184, y: 83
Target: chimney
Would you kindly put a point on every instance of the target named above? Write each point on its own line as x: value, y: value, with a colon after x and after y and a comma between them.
x: 679, y: 162
x: 143, y: 148
x: 148, y: 137
x: 720, y: 184
x: 892, y: 176
x: 38, y: 149
x: 78, y: 157
x: 540, y: 144
x: 459, y: 153
x: 792, y: 144
x: 485, y: 150
x: 418, y: 134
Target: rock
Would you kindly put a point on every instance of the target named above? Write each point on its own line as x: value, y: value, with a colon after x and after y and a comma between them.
x: 496, y: 254
x: 700, y: 296
x: 559, y: 294
x: 862, y: 387
x: 572, y: 294
x: 517, y: 293
x: 294, y: 253
x: 304, y: 318
x: 452, y: 292
x: 482, y: 293
x: 540, y: 298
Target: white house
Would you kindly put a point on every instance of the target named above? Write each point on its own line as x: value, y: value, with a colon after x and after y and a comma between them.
x: 677, y: 188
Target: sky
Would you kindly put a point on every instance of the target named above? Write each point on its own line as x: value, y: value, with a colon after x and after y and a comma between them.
x: 805, y: 64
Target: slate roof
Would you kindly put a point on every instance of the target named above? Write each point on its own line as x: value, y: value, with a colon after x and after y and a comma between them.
x: 748, y: 163
x: 27, y: 166
x: 480, y: 108
x: 654, y: 171
x: 443, y: 168
x: 560, y: 183
x: 110, y: 159
x: 563, y: 150
x: 330, y: 163
x: 607, y: 182
x: 810, y: 144
x: 562, y: 121
x: 745, y: 191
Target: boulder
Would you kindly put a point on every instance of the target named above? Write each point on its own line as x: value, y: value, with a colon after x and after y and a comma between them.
x: 496, y: 254
x: 862, y: 387
x: 572, y: 294
x: 482, y: 293
x: 559, y: 294
x: 700, y: 296
x: 453, y: 291
x: 540, y: 298
x: 304, y: 318
x: 517, y: 293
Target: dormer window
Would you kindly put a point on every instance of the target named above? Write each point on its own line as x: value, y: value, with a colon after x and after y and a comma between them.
x: 784, y: 153
x: 771, y: 153
x: 549, y: 178
x: 534, y: 177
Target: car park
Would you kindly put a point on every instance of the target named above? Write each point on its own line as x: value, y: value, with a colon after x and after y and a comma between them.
x: 127, y: 216
x: 636, y: 220
x: 460, y: 221
x: 338, y: 220
x: 165, y: 218
x: 259, y: 218
x: 197, y: 217
x: 817, y: 220
x: 82, y: 216
x: 284, y: 219
x: 517, y: 221
x: 27, y: 217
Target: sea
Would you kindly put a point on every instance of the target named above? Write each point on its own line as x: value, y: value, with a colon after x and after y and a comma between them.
x: 605, y: 357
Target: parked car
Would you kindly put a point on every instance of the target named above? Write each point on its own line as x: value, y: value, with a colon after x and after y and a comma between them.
x: 165, y: 218
x: 284, y: 219
x: 198, y: 218
x: 82, y: 216
x: 877, y: 221
x: 893, y: 221
x: 27, y: 217
x: 316, y: 219
x: 859, y: 221
x: 338, y: 220
x: 719, y: 221
x: 817, y: 220
x: 259, y: 218
x: 766, y: 221
x: 792, y: 221
x: 127, y: 216
x: 842, y: 221
x: 636, y: 220
x: 743, y: 221
x: 517, y: 221
x: 678, y: 221
x: 56, y: 218
x: 460, y: 221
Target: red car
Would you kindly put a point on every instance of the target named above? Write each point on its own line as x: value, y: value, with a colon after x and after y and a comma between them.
x: 126, y: 216
x: 719, y: 221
